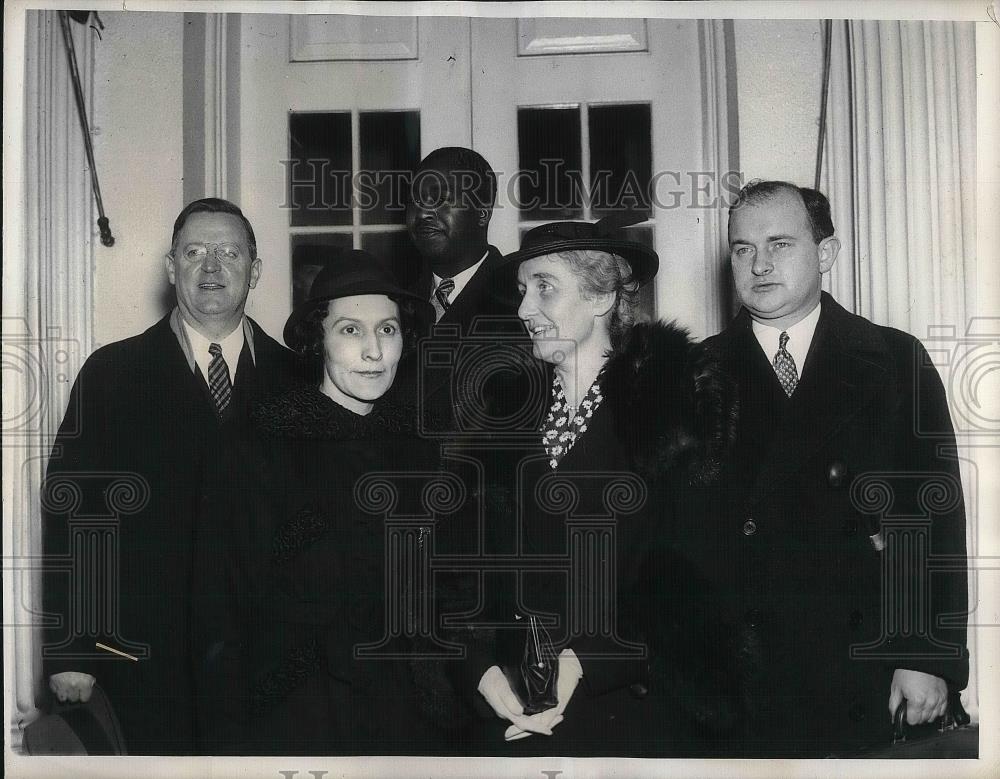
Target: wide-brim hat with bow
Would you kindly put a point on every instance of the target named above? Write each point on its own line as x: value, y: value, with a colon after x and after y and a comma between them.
x: 352, y: 272
x: 604, y: 235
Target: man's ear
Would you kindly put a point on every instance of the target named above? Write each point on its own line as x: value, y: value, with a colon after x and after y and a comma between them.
x: 168, y: 261
x: 254, y: 272
x: 483, y: 217
x: 829, y: 248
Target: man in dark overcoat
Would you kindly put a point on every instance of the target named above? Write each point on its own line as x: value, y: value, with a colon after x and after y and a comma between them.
x: 843, y: 494
x: 475, y: 376
x: 125, y: 478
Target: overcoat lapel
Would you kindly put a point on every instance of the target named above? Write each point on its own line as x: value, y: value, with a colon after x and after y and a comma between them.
x: 843, y: 375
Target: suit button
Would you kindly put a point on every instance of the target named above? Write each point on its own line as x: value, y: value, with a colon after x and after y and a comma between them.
x: 749, y: 527
x: 638, y: 690
x: 857, y: 618
x: 753, y: 617
x: 850, y: 526
x: 836, y: 473
x: 856, y: 712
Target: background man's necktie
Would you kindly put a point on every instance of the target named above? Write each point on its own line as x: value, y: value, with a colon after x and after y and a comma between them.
x: 784, y: 366
x: 218, y: 378
x: 440, y: 298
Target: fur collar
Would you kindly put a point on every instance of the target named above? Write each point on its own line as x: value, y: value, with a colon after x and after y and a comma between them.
x: 306, y: 413
x: 672, y: 403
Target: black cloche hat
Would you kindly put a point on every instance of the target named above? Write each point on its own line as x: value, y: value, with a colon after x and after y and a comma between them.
x: 354, y: 272
x: 602, y: 236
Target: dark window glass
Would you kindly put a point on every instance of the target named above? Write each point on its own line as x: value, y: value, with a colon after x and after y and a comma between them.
x: 645, y: 310
x: 397, y: 249
x: 319, y: 170
x: 621, y: 158
x: 549, y: 158
x: 309, y: 254
x: 390, y: 151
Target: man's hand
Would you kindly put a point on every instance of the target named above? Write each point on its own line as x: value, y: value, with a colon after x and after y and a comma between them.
x: 495, y: 688
x: 72, y: 686
x: 926, y: 695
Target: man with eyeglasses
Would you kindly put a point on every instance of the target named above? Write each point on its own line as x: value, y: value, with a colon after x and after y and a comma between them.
x: 146, y: 419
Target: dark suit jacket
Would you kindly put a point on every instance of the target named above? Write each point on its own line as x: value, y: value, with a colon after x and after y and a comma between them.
x: 819, y: 612
x: 468, y: 366
x: 119, y: 506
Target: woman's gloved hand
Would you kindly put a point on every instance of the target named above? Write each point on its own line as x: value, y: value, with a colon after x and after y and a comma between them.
x: 495, y: 688
x: 570, y: 674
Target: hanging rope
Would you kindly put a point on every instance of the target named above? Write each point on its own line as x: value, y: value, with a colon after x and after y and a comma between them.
x: 102, y: 221
x: 827, y: 36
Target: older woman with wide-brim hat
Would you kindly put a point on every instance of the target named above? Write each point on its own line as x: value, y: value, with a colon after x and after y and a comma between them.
x: 302, y: 547
x: 636, y: 412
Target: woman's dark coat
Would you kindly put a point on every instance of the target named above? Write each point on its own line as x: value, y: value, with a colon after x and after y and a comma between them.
x: 655, y: 673
x: 299, y: 584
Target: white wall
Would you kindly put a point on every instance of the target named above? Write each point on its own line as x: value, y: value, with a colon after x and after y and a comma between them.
x: 779, y: 75
x: 138, y: 149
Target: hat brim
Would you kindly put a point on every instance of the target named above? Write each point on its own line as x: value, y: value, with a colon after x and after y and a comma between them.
x: 643, y: 260
x: 423, y: 310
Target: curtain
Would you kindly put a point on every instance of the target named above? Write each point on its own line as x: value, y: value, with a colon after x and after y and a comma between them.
x: 900, y: 171
x: 47, y: 316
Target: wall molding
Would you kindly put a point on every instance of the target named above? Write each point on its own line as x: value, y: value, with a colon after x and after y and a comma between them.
x: 720, y: 140
x: 211, y: 106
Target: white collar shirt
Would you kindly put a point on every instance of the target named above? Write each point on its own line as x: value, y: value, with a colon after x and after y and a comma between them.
x: 460, y: 279
x: 800, y: 336
x: 232, y: 346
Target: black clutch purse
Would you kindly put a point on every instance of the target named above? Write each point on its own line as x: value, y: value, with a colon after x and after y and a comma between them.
x: 533, y: 680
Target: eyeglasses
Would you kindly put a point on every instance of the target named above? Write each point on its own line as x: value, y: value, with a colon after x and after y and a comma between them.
x: 223, y: 252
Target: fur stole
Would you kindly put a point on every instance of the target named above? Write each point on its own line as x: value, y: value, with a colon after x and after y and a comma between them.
x: 673, y: 405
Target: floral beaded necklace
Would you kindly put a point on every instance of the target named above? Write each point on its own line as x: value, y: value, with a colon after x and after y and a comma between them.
x: 560, y: 431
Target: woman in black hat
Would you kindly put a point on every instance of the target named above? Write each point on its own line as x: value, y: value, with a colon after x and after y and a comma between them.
x: 312, y: 636
x: 637, y: 414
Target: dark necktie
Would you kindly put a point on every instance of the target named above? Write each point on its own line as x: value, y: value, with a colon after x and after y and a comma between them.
x: 440, y: 298
x: 218, y: 378
x: 784, y: 366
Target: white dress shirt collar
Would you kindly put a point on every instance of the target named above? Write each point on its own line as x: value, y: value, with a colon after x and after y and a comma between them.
x: 460, y: 279
x: 800, y: 336
x: 232, y: 346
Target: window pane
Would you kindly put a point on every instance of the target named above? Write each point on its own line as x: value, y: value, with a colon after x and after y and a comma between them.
x: 621, y: 159
x: 390, y: 151
x: 397, y: 249
x: 319, y: 171
x: 548, y: 143
x: 309, y: 254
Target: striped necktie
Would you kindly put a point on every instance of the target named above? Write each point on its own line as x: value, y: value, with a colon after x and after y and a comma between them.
x: 440, y: 298
x: 784, y: 366
x: 218, y: 378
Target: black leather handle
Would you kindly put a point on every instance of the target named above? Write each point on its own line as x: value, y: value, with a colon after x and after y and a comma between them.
x: 899, y: 723
x: 955, y: 716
